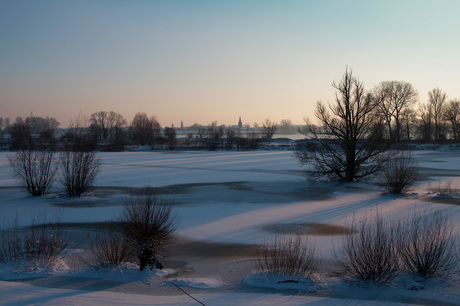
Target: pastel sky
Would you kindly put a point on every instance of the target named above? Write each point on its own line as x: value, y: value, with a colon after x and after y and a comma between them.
x: 204, y: 61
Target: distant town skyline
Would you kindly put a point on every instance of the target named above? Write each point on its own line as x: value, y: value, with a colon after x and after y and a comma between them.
x: 205, y: 61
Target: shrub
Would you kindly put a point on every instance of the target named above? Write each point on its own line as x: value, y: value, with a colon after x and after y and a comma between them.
x: 368, y: 251
x: 79, y: 171
x: 110, y: 249
x: 35, y: 168
x: 399, y: 173
x: 426, y: 245
x: 39, y: 245
x: 293, y: 257
x: 148, y: 224
x: 442, y: 188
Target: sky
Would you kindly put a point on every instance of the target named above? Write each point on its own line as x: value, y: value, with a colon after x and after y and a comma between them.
x: 205, y: 61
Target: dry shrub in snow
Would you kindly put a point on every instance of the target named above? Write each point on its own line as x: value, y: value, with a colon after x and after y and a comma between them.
x: 399, y: 173
x: 442, y: 188
x: 35, y: 168
x: 289, y: 256
x: 79, y: 171
x: 148, y: 224
x: 368, y: 252
x: 39, y: 245
x: 427, y: 246
x: 110, y: 249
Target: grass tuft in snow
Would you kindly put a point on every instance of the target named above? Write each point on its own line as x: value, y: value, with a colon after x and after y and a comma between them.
x: 292, y: 258
x: 107, y: 250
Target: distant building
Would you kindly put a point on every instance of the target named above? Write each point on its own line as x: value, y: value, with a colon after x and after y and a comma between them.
x: 240, y: 123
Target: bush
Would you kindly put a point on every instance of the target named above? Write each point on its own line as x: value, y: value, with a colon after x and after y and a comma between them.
x: 368, y: 251
x: 442, y: 188
x: 148, y: 224
x: 110, y: 249
x: 399, y: 173
x: 79, y: 171
x: 293, y: 257
x: 39, y: 245
x: 426, y: 245
x: 35, y: 168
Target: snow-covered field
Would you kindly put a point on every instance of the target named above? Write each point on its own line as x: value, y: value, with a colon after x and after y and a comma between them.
x: 227, y: 204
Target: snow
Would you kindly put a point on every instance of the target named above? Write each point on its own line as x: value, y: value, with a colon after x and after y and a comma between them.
x: 223, y: 199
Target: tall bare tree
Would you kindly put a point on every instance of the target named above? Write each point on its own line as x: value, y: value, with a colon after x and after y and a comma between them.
x: 115, y: 124
x: 99, y: 123
x: 436, y: 99
x: 348, y: 145
x: 33, y: 129
x: 145, y: 130
x: 170, y: 138
x: 107, y: 124
x: 393, y: 98
x: 452, y: 115
x: 21, y: 135
x: 425, y: 113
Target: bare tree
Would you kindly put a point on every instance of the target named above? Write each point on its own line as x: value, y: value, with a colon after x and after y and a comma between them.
x: 269, y: 129
x: 452, y: 115
x: 145, y: 130
x: 425, y: 113
x: 230, y: 138
x: 33, y: 128
x: 286, y: 126
x: 116, y: 124
x: 34, y: 166
x: 436, y: 99
x: 170, y: 137
x: 408, y: 121
x: 99, y: 123
x: 21, y: 135
x: 211, y: 136
x: 107, y: 125
x: 393, y: 97
x: 141, y: 128
x: 349, y: 144
x: 44, y: 128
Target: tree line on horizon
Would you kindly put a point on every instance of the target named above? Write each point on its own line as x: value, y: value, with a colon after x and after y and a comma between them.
x: 394, y: 105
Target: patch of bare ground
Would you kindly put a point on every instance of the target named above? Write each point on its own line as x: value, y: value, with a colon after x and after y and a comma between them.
x: 211, y: 249
x: 227, y: 261
x: 450, y: 200
x: 316, y: 229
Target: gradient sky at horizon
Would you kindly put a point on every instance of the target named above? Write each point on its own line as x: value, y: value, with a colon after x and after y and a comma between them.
x: 204, y: 61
